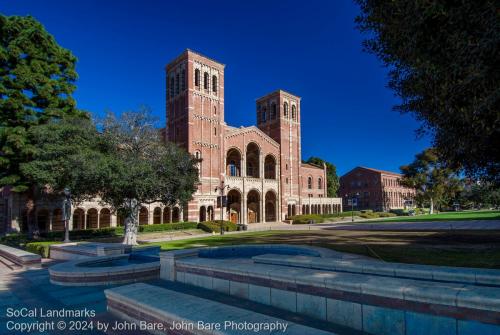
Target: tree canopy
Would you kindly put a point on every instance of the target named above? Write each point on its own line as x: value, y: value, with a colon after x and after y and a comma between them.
x: 433, y: 182
x: 443, y: 63
x: 142, y: 168
x: 37, y: 79
x: 68, y: 153
x: 332, y: 179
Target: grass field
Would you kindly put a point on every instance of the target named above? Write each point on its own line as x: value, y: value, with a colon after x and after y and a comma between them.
x: 457, y: 248
x: 446, y: 216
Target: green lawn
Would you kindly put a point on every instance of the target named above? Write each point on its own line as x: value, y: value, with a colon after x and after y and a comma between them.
x: 454, y: 248
x: 446, y: 216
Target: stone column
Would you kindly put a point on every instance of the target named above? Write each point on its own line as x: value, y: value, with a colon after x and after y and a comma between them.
x: 170, y: 215
x: 114, y: 220
x: 244, y: 214
x: 99, y: 219
x: 161, y: 214
x: 263, y: 209
x: 181, y: 214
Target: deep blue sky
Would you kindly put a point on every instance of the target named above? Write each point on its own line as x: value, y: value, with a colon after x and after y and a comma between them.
x: 310, y: 48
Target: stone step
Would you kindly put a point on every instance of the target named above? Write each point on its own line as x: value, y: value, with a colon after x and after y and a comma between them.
x: 194, y: 315
x: 11, y: 265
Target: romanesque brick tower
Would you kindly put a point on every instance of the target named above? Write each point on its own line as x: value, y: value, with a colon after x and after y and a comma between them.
x: 195, y: 117
x: 278, y: 115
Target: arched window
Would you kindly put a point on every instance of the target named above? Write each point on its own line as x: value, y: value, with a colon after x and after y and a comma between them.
x: 264, y: 115
x: 205, y: 80
x: 177, y: 83
x: 197, y: 77
x: 214, y: 84
x: 309, y: 182
x: 285, y: 109
x: 215, y: 110
x: 273, y: 111
x: 183, y: 79
x: 320, y: 183
x: 215, y: 131
x: 172, y: 85
x: 233, y: 170
x: 294, y: 112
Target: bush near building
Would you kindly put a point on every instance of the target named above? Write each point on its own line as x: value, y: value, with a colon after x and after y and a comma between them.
x: 214, y: 226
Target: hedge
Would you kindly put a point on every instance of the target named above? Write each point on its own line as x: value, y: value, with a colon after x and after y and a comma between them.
x: 214, y: 226
x: 84, y: 234
x: 41, y: 248
x: 305, y: 219
x: 167, y: 226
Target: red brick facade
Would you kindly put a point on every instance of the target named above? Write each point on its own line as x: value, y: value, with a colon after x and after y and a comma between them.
x: 378, y: 190
x: 260, y: 166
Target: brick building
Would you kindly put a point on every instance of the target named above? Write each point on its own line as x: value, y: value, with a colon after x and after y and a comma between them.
x: 378, y: 190
x: 260, y: 166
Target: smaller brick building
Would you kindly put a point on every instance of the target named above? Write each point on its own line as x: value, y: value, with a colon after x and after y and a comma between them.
x: 378, y: 190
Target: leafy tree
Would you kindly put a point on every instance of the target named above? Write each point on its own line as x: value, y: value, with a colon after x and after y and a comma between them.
x: 67, y: 153
x: 332, y: 179
x: 479, y: 194
x: 443, y: 61
x: 142, y: 169
x: 433, y: 182
x: 36, y: 83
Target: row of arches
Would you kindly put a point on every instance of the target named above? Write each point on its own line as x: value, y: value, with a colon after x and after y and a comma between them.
x: 206, y: 76
x: 263, y: 115
x: 94, y: 218
x: 321, y: 209
x: 255, y: 208
x: 252, y: 161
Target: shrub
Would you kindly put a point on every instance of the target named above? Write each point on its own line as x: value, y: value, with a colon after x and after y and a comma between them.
x: 399, y: 212
x: 349, y: 213
x: 385, y: 214
x: 366, y: 211
x: 41, y: 248
x: 304, y: 219
x: 214, y: 226
x: 168, y: 226
x: 15, y: 240
x: 84, y: 234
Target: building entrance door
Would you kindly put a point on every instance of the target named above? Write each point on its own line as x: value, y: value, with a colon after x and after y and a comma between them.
x: 234, y: 217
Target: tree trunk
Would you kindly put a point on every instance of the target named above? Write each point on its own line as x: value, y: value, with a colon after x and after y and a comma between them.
x: 431, y: 211
x: 30, y: 207
x: 132, y: 223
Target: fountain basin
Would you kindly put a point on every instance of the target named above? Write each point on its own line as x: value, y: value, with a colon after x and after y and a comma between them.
x: 106, y: 270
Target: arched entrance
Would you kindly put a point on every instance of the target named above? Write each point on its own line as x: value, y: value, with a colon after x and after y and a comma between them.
x: 105, y: 218
x: 143, y: 216
x: 203, y: 214
x: 57, y: 220
x: 175, y: 214
x: 157, y: 215
x: 234, y: 206
x: 253, y: 164
x: 270, y: 207
x: 210, y: 213
x: 166, y: 215
x: 78, y: 219
x: 253, y: 206
x: 92, y: 217
x: 233, y: 163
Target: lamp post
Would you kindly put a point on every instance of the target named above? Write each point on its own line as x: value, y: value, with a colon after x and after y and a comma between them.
x: 66, y: 213
x: 352, y: 197
x: 221, y: 188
